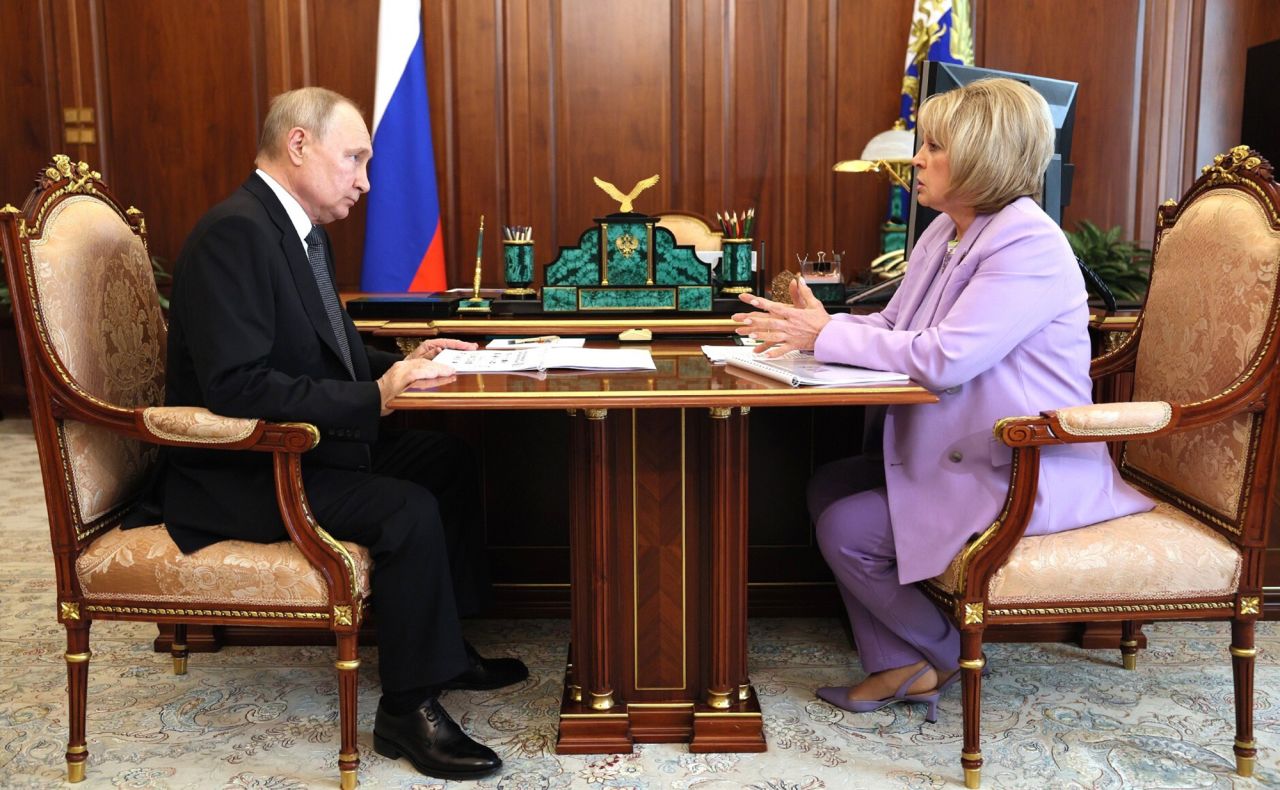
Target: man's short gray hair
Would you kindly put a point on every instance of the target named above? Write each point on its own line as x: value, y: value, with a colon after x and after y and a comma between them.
x: 309, y: 108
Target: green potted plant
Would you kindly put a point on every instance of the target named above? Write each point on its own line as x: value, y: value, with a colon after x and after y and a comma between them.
x: 163, y: 280
x: 1125, y: 266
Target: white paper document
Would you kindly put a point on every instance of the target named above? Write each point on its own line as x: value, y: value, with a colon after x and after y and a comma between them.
x: 546, y: 356
x: 720, y: 354
x: 802, y: 370
x: 525, y: 342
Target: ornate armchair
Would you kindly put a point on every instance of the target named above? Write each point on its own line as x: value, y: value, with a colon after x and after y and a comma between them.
x: 92, y: 339
x: 1199, y: 437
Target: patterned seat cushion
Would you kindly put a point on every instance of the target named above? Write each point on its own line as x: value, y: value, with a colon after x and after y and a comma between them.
x: 145, y: 565
x: 1153, y: 556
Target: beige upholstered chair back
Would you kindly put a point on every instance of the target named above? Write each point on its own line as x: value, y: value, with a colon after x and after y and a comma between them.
x: 98, y: 317
x: 1209, y: 317
x: 690, y: 229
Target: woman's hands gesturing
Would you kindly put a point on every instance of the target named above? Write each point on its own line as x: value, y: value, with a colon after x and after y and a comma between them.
x: 781, y: 328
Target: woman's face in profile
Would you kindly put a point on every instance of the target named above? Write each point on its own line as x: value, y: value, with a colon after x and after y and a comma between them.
x: 933, y: 175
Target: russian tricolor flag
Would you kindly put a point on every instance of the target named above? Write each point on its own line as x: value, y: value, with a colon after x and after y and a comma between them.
x: 403, y: 245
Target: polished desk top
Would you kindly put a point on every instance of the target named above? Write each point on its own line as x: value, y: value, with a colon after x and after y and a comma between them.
x: 684, y: 378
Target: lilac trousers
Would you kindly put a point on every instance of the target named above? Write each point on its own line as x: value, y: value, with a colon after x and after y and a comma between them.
x: 894, y: 625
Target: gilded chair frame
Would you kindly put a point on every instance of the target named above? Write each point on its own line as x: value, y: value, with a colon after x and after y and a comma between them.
x: 1254, y: 393
x: 56, y: 397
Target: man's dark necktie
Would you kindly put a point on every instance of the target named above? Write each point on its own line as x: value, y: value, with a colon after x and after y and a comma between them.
x: 328, y: 294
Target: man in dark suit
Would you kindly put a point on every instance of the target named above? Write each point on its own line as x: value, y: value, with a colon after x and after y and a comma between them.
x: 256, y: 330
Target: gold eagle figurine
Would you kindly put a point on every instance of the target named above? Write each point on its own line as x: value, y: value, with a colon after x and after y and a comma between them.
x: 625, y: 200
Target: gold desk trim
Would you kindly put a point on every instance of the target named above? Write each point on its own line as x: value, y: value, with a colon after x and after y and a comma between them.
x: 656, y: 397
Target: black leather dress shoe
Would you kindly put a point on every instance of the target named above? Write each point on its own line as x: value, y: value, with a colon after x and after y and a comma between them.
x: 488, y: 673
x: 433, y: 742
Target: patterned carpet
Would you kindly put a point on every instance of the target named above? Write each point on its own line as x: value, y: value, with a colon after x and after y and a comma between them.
x: 1054, y: 715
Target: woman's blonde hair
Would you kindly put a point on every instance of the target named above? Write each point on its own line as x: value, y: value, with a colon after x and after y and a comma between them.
x: 998, y: 135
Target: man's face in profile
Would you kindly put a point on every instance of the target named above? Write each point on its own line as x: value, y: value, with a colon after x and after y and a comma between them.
x: 334, y: 170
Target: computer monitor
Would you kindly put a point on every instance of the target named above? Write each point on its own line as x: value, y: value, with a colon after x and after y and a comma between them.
x: 1061, y: 96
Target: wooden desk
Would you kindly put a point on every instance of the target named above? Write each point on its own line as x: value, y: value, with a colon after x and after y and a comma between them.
x: 658, y: 533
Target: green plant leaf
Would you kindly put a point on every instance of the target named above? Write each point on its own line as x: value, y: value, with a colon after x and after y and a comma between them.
x: 1124, y: 265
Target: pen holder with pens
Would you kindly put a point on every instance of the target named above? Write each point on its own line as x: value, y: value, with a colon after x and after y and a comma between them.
x: 824, y: 278
x: 735, y: 266
x: 517, y: 267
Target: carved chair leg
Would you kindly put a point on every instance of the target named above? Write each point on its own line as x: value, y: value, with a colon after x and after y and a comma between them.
x: 178, y: 649
x: 971, y: 664
x: 77, y: 657
x: 1129, y: 644
x: 1242, y: 659
x: 348, y: 668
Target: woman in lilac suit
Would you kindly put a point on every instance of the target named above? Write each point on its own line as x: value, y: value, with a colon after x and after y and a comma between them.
x: 992, y: 317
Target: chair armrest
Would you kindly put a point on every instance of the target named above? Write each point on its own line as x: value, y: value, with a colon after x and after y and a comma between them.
x: 192, y: 426
x: 1114, y: 419
x: 1098, y: 422
x: 186, y: 426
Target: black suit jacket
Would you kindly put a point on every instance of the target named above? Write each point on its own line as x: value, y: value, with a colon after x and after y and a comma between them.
x: 249, y: 337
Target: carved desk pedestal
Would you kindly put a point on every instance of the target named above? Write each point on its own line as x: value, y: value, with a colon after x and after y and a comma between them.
x: 658, y: 542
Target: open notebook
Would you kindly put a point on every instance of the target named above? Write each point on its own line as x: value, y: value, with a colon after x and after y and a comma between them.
x: 802, y: 370
x: 546, y: 356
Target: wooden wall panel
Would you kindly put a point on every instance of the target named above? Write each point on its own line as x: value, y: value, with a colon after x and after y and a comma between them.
x: 754, y: 140
x: 1168, y: 106
x: 868, y: 90
x: 787, y: 161
x: 345, y: 36
x: 1264, y: 21
x: 1221, y: 78
x: 532, y: 100
x: 478, y: 161
x: 613, y: 107
x: 1101, y: 54
x: 179, y: 144
x: 26, y: 125
x: 1231, y: 27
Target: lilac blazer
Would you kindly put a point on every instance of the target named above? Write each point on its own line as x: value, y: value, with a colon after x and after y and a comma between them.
x: 1004, y: 335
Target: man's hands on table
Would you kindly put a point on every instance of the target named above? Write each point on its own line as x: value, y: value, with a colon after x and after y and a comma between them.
x: 418, y: 366
x: 428, y: 349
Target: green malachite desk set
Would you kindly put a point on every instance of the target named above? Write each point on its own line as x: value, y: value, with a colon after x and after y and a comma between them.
x: 626, y: 262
